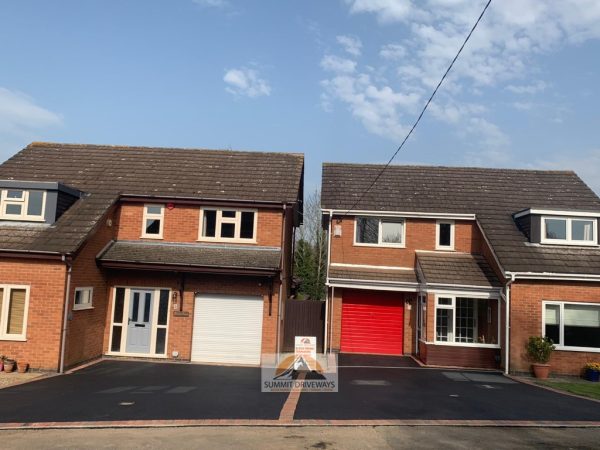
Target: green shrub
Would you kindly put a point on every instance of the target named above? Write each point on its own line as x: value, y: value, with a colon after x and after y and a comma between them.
x: 539, y: 349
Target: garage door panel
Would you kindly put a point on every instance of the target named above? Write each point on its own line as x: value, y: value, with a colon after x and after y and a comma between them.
x: 372, y: 322
x: 227, y: 329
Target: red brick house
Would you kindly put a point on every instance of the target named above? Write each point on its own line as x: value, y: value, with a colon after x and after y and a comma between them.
x: 432, y: 260
x: 145, y: 252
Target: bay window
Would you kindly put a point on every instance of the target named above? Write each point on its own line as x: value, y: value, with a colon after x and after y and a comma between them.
x: 233, y: 225
x: 464, y: 320
x: 572, y: 326
x: 379, y: 231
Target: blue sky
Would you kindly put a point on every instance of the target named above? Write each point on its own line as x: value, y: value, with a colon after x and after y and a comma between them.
x: 340, y: 80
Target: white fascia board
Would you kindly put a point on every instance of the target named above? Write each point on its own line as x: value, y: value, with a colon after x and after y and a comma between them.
x: 373, y: 285
x: 554, y: 276
x: 554, y: 212
x: 368, y: 266
x: 458, y: 289
x: 407, y: 214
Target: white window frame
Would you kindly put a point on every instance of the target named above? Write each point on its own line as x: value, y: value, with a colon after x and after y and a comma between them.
x: 24, y: 202
x: 83, y: 306
x: 380, y: 234
x: 237, y: 221
x: 437, y: 235
x: 561, y: 305
x: 4, y: 336
x: 569, y: 240
x: 452, y: 307
x: 160, y: 217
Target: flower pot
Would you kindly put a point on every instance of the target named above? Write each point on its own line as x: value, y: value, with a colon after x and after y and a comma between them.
x: 22, y: 367
x: 592, y: 375
x: 541, y: 371
x: 9, y: 366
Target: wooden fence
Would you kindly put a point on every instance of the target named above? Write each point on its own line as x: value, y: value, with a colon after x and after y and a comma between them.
x: 303, y: 318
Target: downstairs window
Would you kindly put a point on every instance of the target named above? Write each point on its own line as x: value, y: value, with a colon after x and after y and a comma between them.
x: 463, y: 320
x: 574, y: 326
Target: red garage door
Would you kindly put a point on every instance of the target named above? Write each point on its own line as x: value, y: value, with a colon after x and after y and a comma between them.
x: 372, y: 322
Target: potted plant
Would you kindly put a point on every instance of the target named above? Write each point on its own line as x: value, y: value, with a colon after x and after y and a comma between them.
x: 9, y: 365
x: 1, y: 363
x: 592, y: 371
x: 22, y: 366
x: 539, y: 350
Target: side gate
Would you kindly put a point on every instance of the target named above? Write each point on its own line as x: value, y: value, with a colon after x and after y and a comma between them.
x: 303, y: 318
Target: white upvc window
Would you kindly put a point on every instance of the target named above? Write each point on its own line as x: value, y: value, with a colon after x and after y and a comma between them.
x: 153, y: 221
x: 467, y: 321
x: 22, y: 204
x: 375, y: 231
x: 14, y: 305
x: 83, y: 298
x: 569, y: 230
x: 228, y: 225
x: 572, y: 326
x: 444, y: 235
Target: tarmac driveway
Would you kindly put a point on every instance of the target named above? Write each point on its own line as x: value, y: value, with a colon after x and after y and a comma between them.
x: 126, y: 390
x: 378, y: 388
x: 385, y: 392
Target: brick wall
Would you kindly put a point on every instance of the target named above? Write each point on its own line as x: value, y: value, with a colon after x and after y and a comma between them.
x: 180, y: 327
x: 85, y: 329
x: 183, y: 221
x: 526, y: 321
x: 46, y: 279
x: 420, y: 235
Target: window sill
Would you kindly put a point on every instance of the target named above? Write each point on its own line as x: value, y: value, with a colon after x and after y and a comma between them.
x: 82, y: 308
x: 151, y: 237
x: 228, y: 241
x: 465, y: 344
x: 445, y: 249
x: 577, y: 349
x: 358, y: 244
x: 13, y: 339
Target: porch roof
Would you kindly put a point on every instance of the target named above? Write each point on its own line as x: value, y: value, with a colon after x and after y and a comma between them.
x: 354, y: 273
x: 460, y: 269
x: 192, y: 257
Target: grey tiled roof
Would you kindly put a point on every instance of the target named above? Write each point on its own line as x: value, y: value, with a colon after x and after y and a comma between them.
x: 493, y: 195
x: 193, y: 255
x: 456, y: 268
x: 351, y: 273
x: 105, y: 172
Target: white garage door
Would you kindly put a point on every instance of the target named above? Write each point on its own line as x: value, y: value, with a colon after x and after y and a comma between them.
x: 227, y: 329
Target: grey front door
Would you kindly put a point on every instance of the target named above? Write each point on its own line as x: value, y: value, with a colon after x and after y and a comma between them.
x: 139, y: 328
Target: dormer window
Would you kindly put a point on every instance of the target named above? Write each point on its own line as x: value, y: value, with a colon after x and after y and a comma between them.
x: 569, y: 230
x: 22, y: 204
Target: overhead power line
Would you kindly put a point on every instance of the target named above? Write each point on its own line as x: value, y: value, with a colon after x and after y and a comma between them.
x: 422, y: 112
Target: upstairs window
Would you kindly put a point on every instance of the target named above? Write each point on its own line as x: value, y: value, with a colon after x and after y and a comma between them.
x: 569, y: 230
x: 229, y: 225
x: 444, y: 235
x: 376, y: 231
x: 22, y: 204
x: 153, y: 222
